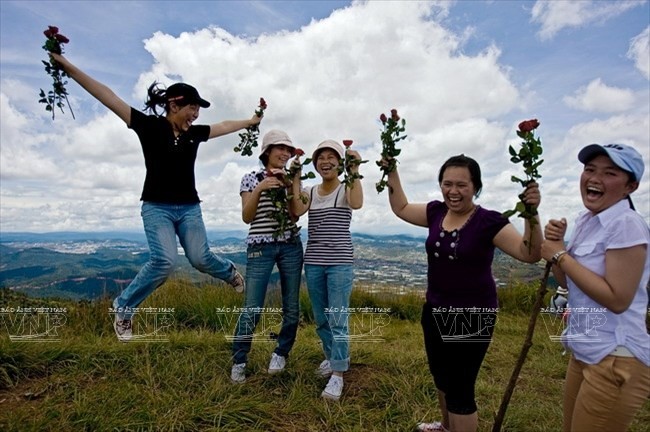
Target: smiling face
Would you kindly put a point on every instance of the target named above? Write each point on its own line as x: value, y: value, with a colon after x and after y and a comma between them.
x: 278, y: 155
x: 327, y: 164
x: 457, y: 189
x: 182, y: 117
x: 603, y: 184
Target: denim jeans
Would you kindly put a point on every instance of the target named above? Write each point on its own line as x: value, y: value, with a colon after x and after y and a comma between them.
x: 162, y: 223
x: 259, y: 266
x: 329, y: 290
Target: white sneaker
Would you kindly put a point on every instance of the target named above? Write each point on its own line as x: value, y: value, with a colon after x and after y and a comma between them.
x: 123, y: 329
x: 333, y: 389
x: 325, y: 369
x: 431, y: 427
x: 238, y: 282
x: 277, y: 363
x: 238, y: 373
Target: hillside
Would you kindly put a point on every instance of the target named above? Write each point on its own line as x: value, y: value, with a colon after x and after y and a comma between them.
x: 96, y: 265
x: 78, y: 377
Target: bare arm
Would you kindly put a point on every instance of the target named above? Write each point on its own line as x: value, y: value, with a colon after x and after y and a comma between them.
x: 250, y: 200
x: 516, y: 245
x: 96, y: 89
x: 415, y: 214
x: 623, y: 270
x: 554, y: 242
x: 300, y: 201
x: 229, y: 126
x: 354, y: 194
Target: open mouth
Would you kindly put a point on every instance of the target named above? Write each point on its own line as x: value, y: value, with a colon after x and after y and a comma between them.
x: 594, y: 192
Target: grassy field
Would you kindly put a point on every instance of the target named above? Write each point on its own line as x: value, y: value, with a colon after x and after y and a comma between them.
x: 87, y: 380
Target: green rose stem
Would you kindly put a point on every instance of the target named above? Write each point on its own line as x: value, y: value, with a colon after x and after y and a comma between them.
x: 394, y: 126
x: 249, y: 137
x: 529, y: 154
x: 58, y: 96
x: 280, y: 197
x: 349, y: 177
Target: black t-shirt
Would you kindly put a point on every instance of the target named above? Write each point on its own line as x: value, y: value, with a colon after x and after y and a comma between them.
x: 169, y: 160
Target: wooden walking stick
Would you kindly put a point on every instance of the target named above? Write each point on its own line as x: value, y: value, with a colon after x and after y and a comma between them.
x: 528, y: 342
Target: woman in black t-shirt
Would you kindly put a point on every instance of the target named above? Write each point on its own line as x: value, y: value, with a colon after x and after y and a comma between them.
x: 170, y: 203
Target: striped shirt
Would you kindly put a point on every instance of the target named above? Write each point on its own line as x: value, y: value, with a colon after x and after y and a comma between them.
x: 263, y: 226
x: 329, y: 241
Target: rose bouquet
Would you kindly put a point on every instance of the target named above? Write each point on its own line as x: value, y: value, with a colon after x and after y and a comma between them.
x: 249, y: 137
x: 280, y: 197
x: 349, y: 176
x: 394, y: 127
x: 58, y: 96
x: 528, y: 155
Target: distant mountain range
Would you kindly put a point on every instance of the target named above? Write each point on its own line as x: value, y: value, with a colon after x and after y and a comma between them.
x: 90, y: 265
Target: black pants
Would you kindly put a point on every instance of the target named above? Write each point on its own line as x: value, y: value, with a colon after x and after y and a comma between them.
x: 456, y: 343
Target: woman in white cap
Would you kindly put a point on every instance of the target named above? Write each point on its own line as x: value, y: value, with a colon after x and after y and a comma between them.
x: 606, y: 267
x: 170, y: 203
x: 329, y: 255
x: 270, y: 243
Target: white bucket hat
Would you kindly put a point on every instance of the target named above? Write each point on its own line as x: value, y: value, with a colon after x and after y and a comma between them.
x: 276, y: 137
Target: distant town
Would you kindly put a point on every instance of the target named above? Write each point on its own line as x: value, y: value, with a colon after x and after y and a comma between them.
x: 92, y: 265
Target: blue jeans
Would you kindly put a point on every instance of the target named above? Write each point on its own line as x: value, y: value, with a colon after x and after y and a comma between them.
x: 329, y: 290
x: 162, y: 223
x: 261, y: 259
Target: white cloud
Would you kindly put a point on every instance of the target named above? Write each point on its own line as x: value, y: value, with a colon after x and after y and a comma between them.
x: 640, y: 52
x: 329, y: 79
x: 554, y: 16
x: 598, y: 97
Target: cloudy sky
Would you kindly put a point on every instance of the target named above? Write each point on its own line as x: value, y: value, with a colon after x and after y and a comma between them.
x: 462, y: 73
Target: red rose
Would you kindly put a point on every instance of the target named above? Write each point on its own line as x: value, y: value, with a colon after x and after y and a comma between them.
x: 299, y: 152
x: 528, y: 125
x: 54, y: 30
x: 383, y: 118
x: 48, y: 34
x: 61, y: 38
x: 393, y: 114
x: 262, y: 103
x: 347, y: 143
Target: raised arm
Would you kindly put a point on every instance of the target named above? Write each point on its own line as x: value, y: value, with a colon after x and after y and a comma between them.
x: 229, y: 126
x: 517, y: 245
x: 300, y: 201
x: 415, y: 214
x: 96, y: 89
x: 354, y: 194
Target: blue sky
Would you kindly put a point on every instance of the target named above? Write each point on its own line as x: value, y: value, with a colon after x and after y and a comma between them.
x: 462, y: 73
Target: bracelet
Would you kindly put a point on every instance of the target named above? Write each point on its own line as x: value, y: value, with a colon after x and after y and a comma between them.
x: 558, y: 257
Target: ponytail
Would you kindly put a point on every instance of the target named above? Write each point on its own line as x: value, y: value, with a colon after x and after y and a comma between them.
x: 156, y: 97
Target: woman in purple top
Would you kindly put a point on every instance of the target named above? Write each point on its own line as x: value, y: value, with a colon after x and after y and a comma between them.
x: 461, y: 299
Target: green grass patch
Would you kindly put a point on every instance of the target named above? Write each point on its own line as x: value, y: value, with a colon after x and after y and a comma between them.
x: 87, y: 380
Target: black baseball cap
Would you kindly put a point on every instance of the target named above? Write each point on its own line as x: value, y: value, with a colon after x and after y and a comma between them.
x: 186, y: 94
